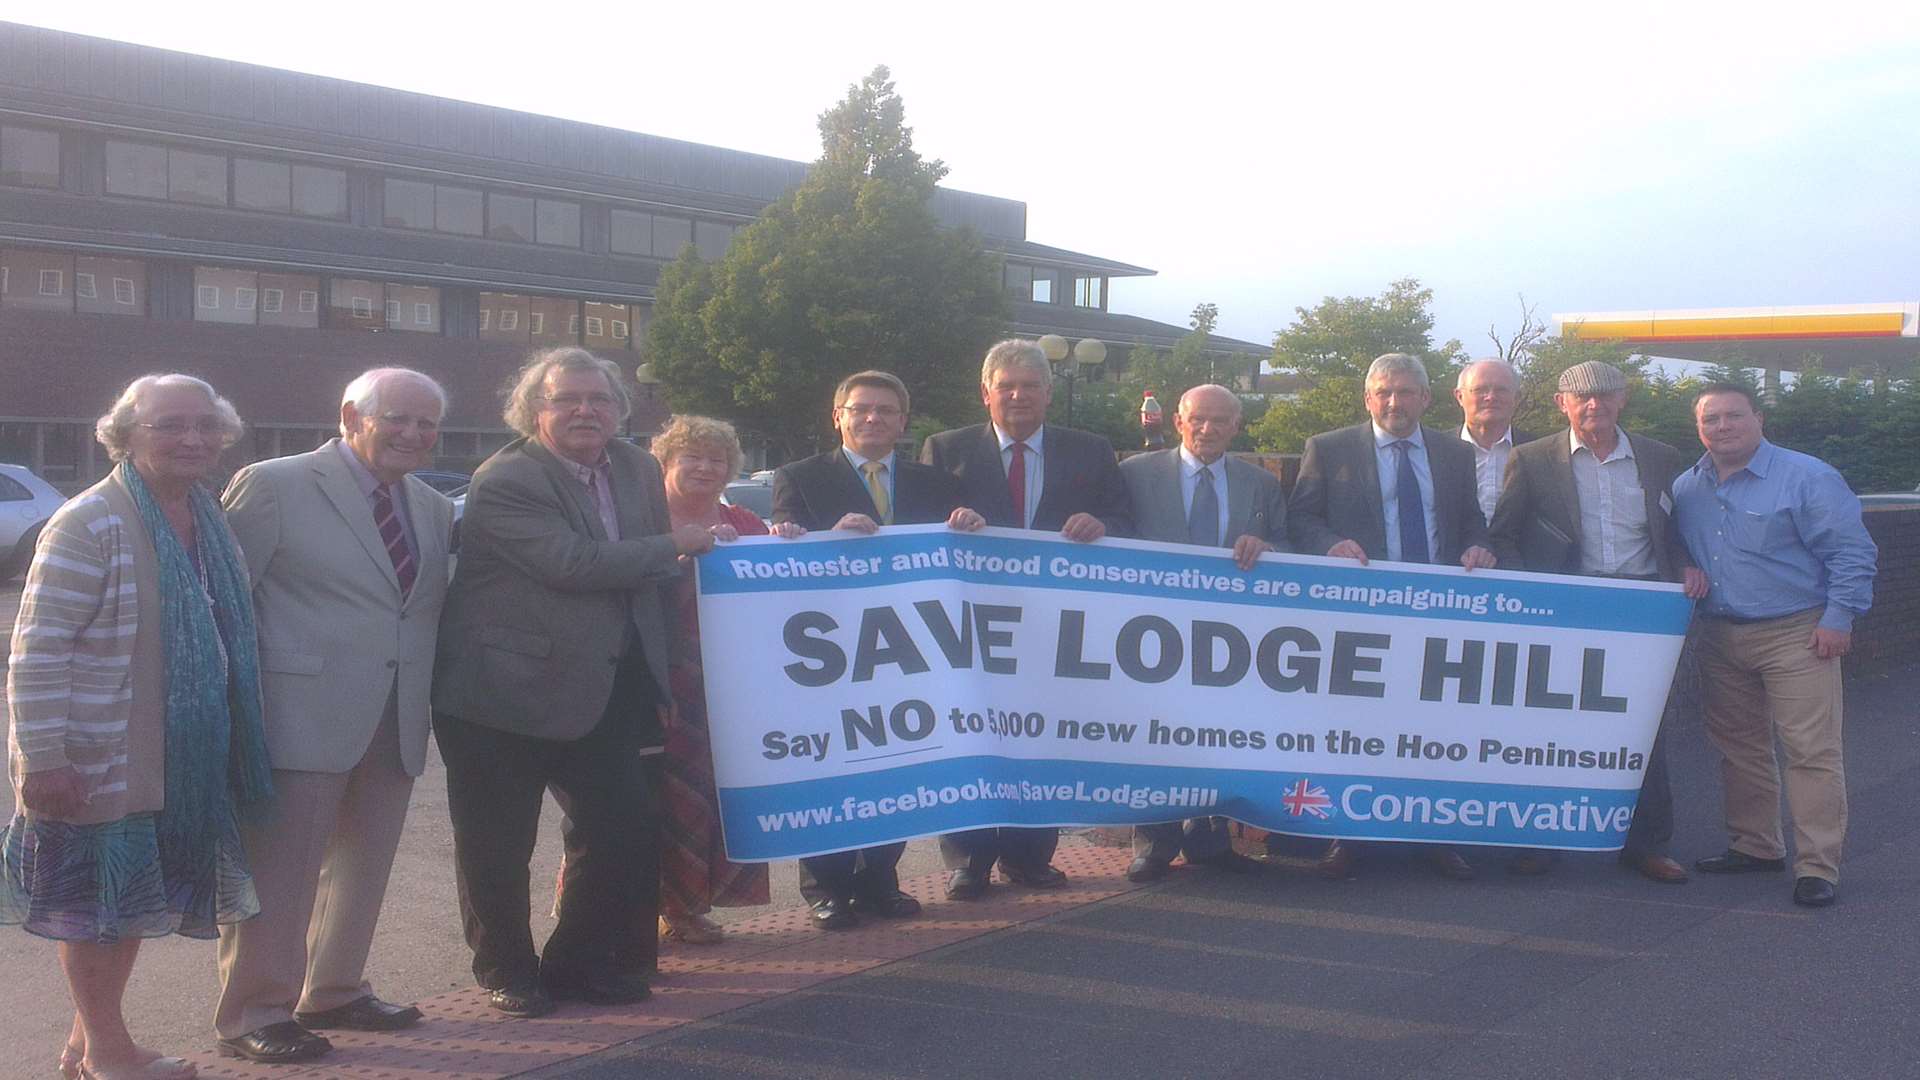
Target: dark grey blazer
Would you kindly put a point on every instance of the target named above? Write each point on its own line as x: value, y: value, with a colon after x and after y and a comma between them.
x: 1079, y: 474
x: 537, y: 616
x: 1337, y: 496
x: 1255, y: 503
x: 818, y: 491
x: 1536, y: 525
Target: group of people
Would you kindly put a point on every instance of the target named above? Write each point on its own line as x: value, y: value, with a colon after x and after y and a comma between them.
x: 219, y: 705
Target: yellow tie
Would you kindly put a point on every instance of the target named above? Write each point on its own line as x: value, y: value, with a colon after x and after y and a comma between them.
x: 877, y: 488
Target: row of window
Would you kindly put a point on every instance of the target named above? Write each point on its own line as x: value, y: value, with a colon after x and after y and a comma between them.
x: 1032, y: 283
x: 34, y: 280
x: 30, y: 157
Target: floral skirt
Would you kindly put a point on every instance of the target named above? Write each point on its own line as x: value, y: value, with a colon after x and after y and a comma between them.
x: 102, y: 883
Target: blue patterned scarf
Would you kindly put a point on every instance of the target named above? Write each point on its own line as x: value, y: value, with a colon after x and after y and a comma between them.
x: 213, y: 673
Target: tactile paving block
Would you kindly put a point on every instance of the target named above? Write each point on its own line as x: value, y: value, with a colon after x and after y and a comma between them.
x: 763, y: 957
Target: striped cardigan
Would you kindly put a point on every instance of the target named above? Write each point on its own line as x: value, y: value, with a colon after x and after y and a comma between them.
x: 80, y: 650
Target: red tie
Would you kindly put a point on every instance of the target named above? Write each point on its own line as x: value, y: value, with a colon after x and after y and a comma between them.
x: 1017, y: 483
x: 388, y: 522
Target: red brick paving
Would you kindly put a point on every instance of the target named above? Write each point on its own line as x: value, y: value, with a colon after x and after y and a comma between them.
x: 762, y: 958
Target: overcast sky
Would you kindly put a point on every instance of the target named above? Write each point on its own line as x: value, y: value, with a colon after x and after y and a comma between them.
x: 1624, y: 156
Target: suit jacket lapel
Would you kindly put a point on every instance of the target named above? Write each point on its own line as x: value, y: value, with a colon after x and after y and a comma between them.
x: 1563, y: 483
x: 1239, y: 501
x: 426, y: 535
x: 343, y: 491
x: 1651, y: 489
x: 1370, y: 475
x: 626, y: 508
x: 1440, y: 472
x: 1053, y: 476
x: 561, y: 473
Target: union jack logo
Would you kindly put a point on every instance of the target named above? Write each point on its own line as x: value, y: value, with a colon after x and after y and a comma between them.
x: 1303, y: 799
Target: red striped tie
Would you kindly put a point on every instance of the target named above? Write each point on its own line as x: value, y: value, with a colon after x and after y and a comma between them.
x: 388, y: 522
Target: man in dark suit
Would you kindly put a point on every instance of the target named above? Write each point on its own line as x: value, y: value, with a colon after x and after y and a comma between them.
x: 863, y: 485
x: 1198, y: 494
x: 1390, y: 489
x: 1488, y: 392
x: 1023, y: 473
x: 1597, y: 502
x: 552, y: 666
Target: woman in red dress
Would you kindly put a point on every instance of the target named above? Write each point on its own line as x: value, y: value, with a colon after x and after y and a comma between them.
x: 699, y: 456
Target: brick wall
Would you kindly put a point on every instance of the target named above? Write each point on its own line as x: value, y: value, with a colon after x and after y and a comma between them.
x: 1890, y: 634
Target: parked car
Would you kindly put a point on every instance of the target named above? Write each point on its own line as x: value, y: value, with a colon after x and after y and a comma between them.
x: 1894, y: 499
x: 446, y: 483
x: 755, y: 495
x: 26, y: 502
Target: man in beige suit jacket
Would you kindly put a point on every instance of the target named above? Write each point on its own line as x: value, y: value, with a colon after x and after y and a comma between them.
x: 348, y: 557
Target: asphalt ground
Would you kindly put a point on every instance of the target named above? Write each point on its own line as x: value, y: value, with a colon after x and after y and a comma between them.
x: 1590, y: 971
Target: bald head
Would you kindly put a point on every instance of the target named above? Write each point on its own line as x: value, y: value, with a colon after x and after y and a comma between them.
x: 1208, y: 419
x: 1488, y: 392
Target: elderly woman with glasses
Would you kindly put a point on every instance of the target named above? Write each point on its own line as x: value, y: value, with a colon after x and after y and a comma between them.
x: 134, y: 697
x: 699, y: 455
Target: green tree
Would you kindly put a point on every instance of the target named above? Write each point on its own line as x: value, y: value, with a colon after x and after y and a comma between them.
x: 1332, y: 344
x: 1188, y: 364
x: 848, y: 271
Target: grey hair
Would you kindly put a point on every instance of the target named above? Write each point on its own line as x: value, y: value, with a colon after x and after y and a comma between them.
x: 114, y: 430
x: 1491, y: 361
x: 1238, y: 406
x: 522, y: 413
x: 1016, y: 352
x: 1391, y: 363
x: 363, y: 393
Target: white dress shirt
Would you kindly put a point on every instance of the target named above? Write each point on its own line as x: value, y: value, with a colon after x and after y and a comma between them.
x: 1614, y: 536
x: 1390, y: 488
x: 1489, y: 467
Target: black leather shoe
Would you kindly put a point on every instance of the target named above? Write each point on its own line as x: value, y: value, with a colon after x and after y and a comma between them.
x: 1034, y: 877
x: 1336, y: 863
x: 1738, y: 862
x: 897, y: 905
x: 365, y: 1014
x: 276, y: 1044
x: 1531, y: 863
x: 523, y: 997
x: 1142, y: 870
x: 834, y: 913
x: 1449, y: 864
x: 1813, y: 892
x: 599, y: 988
x: 965, y: 884
x: 1231, y: 861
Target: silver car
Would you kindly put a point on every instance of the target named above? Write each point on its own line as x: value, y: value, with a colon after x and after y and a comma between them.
x: 26, y: 502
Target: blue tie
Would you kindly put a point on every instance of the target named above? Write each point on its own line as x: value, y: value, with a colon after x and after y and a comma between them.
x: 1413, y: 513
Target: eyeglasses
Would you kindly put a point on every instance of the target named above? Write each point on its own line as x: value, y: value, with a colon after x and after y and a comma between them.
x: 884, y: 412
x: 207, y: 428
x: 403, y: 422
x: 570, y: 402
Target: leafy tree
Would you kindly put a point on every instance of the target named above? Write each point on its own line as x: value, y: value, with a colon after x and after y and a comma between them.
x: 848, y: 271
x: 1331, y: 346
x: 1187, y: 365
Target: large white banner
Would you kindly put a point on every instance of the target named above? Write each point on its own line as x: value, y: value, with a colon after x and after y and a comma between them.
x: 922, y: 681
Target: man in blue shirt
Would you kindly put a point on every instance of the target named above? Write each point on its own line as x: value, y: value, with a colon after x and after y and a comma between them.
x: 1779, y: 534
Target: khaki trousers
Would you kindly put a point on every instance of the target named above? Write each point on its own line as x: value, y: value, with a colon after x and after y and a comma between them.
x: 1756, y: 680
x: 320, y: 865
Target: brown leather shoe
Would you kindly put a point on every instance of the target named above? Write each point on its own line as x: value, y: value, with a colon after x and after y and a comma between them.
x: 1655, y: 867
x: 1449, y: 864
x: 1336, y: 864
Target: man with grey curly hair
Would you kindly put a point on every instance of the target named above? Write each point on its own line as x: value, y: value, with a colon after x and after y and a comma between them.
x: 348, y: 559
x: 552, y: 672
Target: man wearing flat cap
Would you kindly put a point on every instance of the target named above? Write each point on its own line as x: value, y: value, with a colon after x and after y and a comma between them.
x: 1597, y: 502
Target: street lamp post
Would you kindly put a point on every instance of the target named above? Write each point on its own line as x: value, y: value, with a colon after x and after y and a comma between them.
x: 1091, y: 352
x: 649, y: 384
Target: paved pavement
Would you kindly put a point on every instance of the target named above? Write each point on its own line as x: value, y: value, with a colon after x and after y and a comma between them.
x: 1590, y: 972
